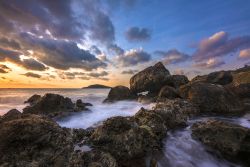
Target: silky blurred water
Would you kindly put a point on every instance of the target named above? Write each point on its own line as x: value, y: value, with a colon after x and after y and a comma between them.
x: 180, y: 149
x: 14, y: 98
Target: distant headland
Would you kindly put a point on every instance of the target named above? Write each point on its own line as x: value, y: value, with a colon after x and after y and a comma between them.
x: 97, y: 86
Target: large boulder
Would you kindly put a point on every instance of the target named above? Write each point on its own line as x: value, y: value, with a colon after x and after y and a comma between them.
x: 175, y: 112
x: 122, y: 138
x: 153, y: 122
x: 241, y: 76
x: 119, y: 93
x: 168, y: 92
x: 150, y: 79
x: 177, y: 80
x: 212, y: 98
x: 220, y: 77
x: 232, y: 141
x: 33, y: 140
x: 51, y: 105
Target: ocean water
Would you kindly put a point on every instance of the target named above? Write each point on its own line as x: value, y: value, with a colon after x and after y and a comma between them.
x: 14, y: 98
x: 179, y: 148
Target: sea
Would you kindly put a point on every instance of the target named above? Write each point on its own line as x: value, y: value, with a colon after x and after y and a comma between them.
x: 179, y: 150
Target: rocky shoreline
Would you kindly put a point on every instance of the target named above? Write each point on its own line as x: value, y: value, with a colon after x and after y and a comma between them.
x: 33, y: 138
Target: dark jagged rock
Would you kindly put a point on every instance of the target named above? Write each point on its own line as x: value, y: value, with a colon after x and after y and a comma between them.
x: 33, y: 99
x: 175, y: 112
x: 241, y: 76
x: 242, y: 90
x: 232, y: 141
x: 150, y: 79
x: 10, y: 115
x: 153, y: 122
x: 146, y: 99
x: 51, y: 105
x: 80, y: 106
x: 93, y: 158
x: 212, y: 98
x: 34, y: 140
x: 119, y: 93
x: 220, y: 77
x: 122, y: 138
x: 168, y: 92
x: 54, y: 105
x: 177, y: 80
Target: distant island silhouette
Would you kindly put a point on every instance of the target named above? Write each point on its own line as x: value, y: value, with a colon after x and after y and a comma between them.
x: 97, y: 86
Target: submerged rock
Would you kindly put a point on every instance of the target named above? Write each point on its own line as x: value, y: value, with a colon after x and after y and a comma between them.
x: 119, y: 93
x: 232, y: 141
x: 150, y: 79
x: 34, y: 140
x: 80, y: 106
x: 212, y: 98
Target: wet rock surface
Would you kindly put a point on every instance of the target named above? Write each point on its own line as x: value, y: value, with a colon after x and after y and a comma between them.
x: 150, y: 79
x: 119, y: 93
x: 220, y: 77
x: 175, y: 112
x: 33, y: 99
x: 212, y: 98
x: 10, y: 115
x: 53, y: 105
x: 122, y: 138
x: 34, y: 140
x: 232, y: 141
x: 168, y: 92
x: 27, y: 139
x: 177, y: 80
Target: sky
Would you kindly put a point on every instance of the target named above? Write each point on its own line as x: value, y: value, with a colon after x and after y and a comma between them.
x: 75, y: 43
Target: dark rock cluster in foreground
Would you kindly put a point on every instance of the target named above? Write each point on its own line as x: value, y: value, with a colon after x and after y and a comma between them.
x: 32, y: 138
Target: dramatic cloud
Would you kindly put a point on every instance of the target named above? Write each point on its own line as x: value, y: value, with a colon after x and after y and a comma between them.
x: 82, y: 75
x: 9, y: 55
x: 219, y: 45
x: 97, y: 75
x: 210, y: 64
x: 116, y: 49
x: 14, y: 57
x: 173, y: 56
x: 133, y: 57
x: 9, y: 43
x: 137, y: 34
x: 61, y: 54
x: 95, y: 50
x: 32, y: 64
x: 31, y: 74
x: 4, y: 68
x: 72, y: 20
x: 130, y: 72
x: 244, y: 54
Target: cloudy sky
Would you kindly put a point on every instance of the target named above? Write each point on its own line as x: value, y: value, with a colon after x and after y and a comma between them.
x: 74, y: 43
